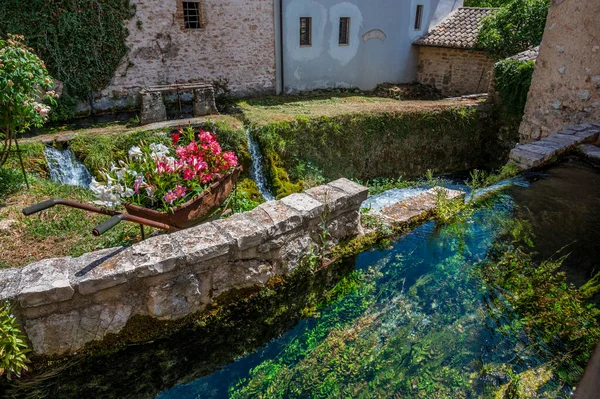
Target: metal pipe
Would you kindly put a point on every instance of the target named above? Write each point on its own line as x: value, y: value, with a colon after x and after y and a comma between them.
x: 87, y: 207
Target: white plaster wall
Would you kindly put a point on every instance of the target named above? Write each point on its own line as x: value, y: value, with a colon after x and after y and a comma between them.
x: 385, y: 55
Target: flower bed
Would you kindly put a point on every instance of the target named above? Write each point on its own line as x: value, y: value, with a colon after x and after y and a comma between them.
x: 161, y: 177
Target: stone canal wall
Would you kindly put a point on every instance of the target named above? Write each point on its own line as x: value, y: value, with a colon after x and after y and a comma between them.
x: 66, y: 303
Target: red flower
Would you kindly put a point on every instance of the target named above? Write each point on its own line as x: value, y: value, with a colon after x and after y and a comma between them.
x: 175, y: 137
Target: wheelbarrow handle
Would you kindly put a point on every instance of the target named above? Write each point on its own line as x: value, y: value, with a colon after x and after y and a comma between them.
x: 107, y: 225
x: 40, y: 206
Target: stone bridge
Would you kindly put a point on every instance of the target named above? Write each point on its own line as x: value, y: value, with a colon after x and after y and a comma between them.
x: 66, y: 303
x: 538, y: 153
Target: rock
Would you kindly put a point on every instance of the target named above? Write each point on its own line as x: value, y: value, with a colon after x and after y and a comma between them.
x: 153, y: 108
x: 176, y: 298
x: 278, y: 218
x: 45, y: 282
x: 245, y: 231
x: 204, y: 102
x: 307, y: 206
x: 202, y: 243
x: 526, y: 384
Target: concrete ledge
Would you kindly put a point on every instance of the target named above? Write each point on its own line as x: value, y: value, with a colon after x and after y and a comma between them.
x: 66, y: 303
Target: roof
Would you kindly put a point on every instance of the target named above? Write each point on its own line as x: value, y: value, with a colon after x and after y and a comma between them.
x: 457, y: 30
x: 527, y: 55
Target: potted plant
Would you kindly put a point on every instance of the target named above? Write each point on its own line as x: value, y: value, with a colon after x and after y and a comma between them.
x: 179, y: 184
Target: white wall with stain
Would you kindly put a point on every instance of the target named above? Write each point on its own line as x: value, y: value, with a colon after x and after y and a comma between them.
x: 380, y: 48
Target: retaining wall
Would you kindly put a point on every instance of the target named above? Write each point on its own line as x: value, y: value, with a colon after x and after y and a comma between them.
x: 66, y: 303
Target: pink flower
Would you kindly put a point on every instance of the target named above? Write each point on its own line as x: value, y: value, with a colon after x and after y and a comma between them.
x: 179, y: 191
x: 230, y: 159
x: 137, y: 184
x: 181, y: 152
x: 188, y: 174
x: 163, y: 167
x: 170, y: 197
x: 192, y: 147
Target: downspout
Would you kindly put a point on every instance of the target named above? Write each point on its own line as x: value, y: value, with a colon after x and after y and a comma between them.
x: 281, y: 46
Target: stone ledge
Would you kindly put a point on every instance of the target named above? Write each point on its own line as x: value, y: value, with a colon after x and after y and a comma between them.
x: 65, y: 303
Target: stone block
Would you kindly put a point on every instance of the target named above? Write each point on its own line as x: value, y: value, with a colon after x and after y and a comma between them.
x: 334, y: 198
x: 276, y: 217
x: 538, y: 149
x: 153, y: 108
x: 202, y: 243
x: 153, y: 256
x: 10, y: 280
x: 176, y: 298
x: 308, y: 207
x: 245, y: 231
x: 356, y: 193
x: 45, y: 282
x: 204, y: 102
x: 567, y: 140
x: 525, y: 158
x: 588, y: 134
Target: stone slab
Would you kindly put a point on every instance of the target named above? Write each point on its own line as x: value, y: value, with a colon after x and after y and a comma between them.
x: 590, y: 151
x: 278, y: 218
x: 308, y: 207
x: 245, y: 231
x: 334, y: 198
x: 10, y: 280
x: 537, y: 149
x: 202, y: 243
x: 525, y: 158
x: 45, y: 282
x: 357, y: 194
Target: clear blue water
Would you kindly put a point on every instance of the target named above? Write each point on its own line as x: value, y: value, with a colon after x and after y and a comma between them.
x: 420, y: 323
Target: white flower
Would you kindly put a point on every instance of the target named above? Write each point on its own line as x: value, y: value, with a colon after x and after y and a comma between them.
x: 158, y: 150
x: 106, y: 195
x: 135, y: 152
x: 150, y: 191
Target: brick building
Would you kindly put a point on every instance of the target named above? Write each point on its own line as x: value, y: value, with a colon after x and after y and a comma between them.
x: 447, y: 58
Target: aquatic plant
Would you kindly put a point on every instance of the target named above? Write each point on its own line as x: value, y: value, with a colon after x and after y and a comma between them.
x: 13, y: 345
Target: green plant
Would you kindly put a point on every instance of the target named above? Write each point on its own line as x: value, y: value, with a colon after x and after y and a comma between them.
x: 13, y: 345
x: 512, y: 80
x: 82, y: 41
x: 10, y: 181
x: 515, y: 27
x: 23, y: 78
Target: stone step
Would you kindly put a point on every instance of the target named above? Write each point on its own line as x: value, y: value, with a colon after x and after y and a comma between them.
x: 535, y: 154
x: 591, y: 151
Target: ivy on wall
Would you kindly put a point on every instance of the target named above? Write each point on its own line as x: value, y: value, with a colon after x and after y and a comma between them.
x: 81, y: 41
x: 512, y: 81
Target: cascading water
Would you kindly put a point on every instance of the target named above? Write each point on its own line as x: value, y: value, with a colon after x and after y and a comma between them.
x: 257, y: 172
x: 66, y: 168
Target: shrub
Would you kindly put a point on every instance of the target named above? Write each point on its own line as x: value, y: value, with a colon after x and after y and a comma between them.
x: 512, y: 81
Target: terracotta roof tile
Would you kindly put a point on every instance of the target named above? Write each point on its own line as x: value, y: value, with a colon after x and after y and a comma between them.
x: 457, y: 30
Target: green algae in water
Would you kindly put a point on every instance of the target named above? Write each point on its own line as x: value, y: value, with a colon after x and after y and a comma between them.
x: 426, y: 322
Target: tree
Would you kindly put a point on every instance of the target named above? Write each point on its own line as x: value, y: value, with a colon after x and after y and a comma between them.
x: 517, y: 26
x: 23, y: 79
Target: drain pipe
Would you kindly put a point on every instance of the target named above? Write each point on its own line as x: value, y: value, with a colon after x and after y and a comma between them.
x: 281, y: 46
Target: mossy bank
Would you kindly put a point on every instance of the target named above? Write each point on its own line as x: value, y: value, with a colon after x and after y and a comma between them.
x: 363, y: 146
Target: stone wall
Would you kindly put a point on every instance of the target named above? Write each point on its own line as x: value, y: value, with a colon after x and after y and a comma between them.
x: 68, y: 302
x: 565, y: 87
x: 237, y: 41
x: 455, y: 72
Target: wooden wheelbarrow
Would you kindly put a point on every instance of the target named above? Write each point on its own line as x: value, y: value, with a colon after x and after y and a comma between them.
x: 193, y: 212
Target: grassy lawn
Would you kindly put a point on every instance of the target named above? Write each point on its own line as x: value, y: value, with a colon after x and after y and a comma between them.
x: 57, y: 232
x: 269, y: 109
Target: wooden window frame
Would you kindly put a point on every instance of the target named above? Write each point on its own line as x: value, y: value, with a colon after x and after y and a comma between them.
x: 344, y: 35
x: 306, y: 38
x: 419, y: 16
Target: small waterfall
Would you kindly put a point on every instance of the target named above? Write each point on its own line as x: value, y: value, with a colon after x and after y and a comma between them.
x: 257, y: 172
x: 66, y: 168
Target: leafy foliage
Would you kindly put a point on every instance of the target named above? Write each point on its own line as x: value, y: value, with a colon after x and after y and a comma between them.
x: 10, y: 181
x: 83, y: 41
x: 22, y: 77
x: 512, y: 81
x: 13, y: 345
x: 517, y: 26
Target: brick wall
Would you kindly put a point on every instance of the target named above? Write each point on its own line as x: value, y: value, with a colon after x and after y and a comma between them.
x: 454, y: 71
x: 237, y: 41
x: 566, y: 82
